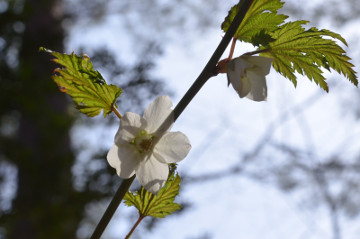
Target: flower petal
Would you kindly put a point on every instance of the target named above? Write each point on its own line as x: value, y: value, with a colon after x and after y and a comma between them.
x: 242, y: 63
x: 124, y: 159
x: 152, y: 174
x: 258, y: 90
x: 172, y: 147
x: 245, y: 86
x: 264, y: 63
x: 237, y: 76
x: 156, y: 113
x: 233, y: 75
x: 252, y: 71
x: 130, y: 126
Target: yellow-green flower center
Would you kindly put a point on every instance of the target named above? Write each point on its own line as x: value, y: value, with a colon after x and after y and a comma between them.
x: 143, y: 142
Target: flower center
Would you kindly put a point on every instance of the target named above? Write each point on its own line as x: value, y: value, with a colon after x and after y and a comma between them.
x: 143, y: 142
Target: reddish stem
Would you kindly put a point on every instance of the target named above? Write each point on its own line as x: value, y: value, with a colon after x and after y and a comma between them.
x: 222, y: 65
x: 116, y: 112
x: 135, y: 225
x: 232, y: 48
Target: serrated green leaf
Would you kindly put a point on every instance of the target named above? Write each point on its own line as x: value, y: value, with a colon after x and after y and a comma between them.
x: 261, y: 18
x: 306, y: 51
x: 262, y: 38
x: 159, y: 205
x: 85, y: 85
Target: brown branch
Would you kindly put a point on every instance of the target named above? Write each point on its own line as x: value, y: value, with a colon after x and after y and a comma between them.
x: 209, y: 71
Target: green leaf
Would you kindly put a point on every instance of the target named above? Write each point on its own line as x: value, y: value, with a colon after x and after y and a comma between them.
x: 306, y: 51
x: 262, y: 38
x: 85, y: 85
x: 159, y: 205
x: 260, y: 19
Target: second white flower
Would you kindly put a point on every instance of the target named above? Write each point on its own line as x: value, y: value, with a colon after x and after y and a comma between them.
x: 247, y: 75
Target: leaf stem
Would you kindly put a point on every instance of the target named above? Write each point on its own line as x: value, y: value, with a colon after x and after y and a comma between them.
x: 232, y: 48
x: 135, y: 225
x: 256, y: 52
x: 116, y: 112
x: 209, y: 71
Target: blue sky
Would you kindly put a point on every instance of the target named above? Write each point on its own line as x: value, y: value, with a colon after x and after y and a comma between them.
x: 222, y: 128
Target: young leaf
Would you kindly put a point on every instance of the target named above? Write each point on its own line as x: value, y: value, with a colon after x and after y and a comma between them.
x: 295, y: 49
x: 260, y: 20
x: 159, y: 205
x: 85, y: 85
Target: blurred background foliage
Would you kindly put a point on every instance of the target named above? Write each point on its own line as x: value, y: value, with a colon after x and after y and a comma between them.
x: 40, y: 195
x: 51, y: 185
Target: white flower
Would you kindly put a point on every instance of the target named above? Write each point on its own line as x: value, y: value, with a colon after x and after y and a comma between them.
x: 247, y: 76
x: 144, y: 146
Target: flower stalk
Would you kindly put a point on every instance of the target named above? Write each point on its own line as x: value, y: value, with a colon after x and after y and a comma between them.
x: 116, y: 112
x: 209, y: 71
x: 232, y: 48
x: 251, y: 53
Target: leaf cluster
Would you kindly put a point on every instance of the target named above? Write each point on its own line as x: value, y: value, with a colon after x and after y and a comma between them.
x: 261, y: 19
x: 306, y: 51
x: 293, y: 48
x: 159, y: 205
x: 86, y: 86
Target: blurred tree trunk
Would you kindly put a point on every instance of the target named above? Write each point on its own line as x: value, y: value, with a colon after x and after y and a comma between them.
x: 45, y: 205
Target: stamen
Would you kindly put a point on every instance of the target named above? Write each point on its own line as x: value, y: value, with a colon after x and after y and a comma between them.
x: 143, y: 142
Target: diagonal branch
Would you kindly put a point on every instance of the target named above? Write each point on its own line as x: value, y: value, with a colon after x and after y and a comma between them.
x: 208, y: 72
x: 210, y: 68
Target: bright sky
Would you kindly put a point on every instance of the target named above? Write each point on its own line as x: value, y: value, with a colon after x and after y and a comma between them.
x: 222, y: 127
